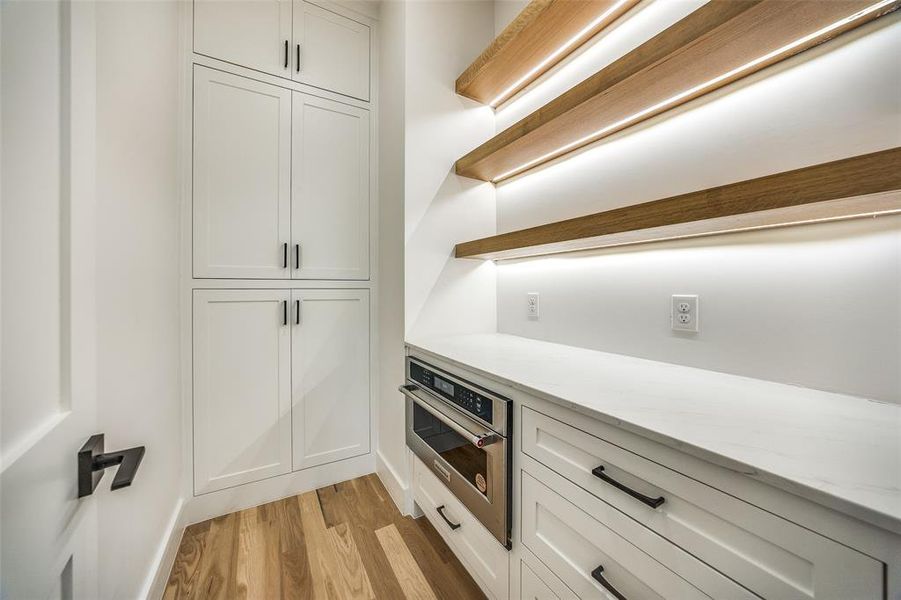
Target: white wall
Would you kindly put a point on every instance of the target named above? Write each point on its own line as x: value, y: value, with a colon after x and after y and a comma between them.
x: 817, y: 306
x: 505, y: 11
x: 444, y: 295
x: 391, y: 464
x: 426, y: 208
x: 137, y: 270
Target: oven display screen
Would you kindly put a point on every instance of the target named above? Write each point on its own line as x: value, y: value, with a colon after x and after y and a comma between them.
x: 444, y: 386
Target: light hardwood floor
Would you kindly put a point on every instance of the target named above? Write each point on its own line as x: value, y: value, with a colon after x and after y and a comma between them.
x: 343, y: 541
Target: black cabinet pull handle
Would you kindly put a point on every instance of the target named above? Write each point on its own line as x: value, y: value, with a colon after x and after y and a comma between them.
x: 286, y: 54
x: 284, y: 312
x: 652, y: 502
x: 599, y: 577
x: 297, y: 312
x: 285, y: 255
x: 298, y: 58
x: 92, y: 462
x: 296, y: 256
x: 450, y: 523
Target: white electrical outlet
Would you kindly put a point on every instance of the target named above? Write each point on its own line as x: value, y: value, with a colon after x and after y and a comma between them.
x: 684, y: 313
x: 532, y: 306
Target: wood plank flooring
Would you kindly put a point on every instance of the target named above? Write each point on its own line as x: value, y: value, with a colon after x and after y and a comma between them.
x: 343, y: 541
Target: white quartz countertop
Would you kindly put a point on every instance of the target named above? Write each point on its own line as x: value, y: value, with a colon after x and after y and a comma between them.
x: 838, y: 450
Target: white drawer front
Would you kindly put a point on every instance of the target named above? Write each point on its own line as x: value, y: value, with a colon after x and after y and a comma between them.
x: 574, y: 545
x: 533, y: 588
x: 486, y: 560
x: 537, y: 582
x: 771, y: 556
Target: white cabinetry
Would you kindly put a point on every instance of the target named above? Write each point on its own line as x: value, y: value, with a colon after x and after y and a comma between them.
x: 250, y: 33
x: 281, y: 187
x: 330, y: 375
x: 602, y: 512
x: 251, y: 348
x: 589, y: 556
x: 768, y: 555
x: 242, y: 387
x: 296, y: 40
x: 330, y: 195
x: 242, y: 177
x: 477, y: 548
x: 330, y: 51
x: 280, y: 196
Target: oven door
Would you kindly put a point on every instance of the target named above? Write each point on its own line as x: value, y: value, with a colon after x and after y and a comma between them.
x: 471, y: 459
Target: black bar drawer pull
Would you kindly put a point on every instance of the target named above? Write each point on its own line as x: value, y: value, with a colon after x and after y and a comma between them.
x: 92, y: 462
x: 598, y: 576
x: 296, y: 256
x: 298, y: 58
x: 297, y: 312
x: 450, y: 523
x: 284, y: 312
x: 285, y: 255
x: 286, y: 54
x: 652, y: 502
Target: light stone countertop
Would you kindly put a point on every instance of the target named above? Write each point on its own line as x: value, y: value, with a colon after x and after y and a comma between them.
x: 841, y: 451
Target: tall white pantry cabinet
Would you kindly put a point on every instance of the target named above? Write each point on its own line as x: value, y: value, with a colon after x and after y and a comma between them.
x: 280, y: 246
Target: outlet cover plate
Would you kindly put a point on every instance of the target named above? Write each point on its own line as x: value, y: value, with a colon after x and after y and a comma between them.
x: 684, y: 315
x: 532, y: 305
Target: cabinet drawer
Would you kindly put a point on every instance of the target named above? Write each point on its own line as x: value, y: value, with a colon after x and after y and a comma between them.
x: 485, y: 559
x: 589, y: 556
x: 770, y: 556
x: 533, y: 588
x: 537, y: 582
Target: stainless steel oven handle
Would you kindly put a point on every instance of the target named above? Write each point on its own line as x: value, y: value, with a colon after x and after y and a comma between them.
x: 477, y: 440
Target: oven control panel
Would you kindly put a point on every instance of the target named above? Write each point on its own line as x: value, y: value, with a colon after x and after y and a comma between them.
x: 460, y: 395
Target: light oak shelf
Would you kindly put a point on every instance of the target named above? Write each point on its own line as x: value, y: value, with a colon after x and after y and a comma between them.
x: 720, y: 43
x: 861, y: 186
x: 542, y: 35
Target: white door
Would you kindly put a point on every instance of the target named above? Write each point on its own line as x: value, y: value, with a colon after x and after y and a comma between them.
x: 242, y: 387
x: 330, y: 375
x: 251, y: 33
x: 330, y: 190
x: 242, y: 177
x: 48, y: 537
x: 333, y: 51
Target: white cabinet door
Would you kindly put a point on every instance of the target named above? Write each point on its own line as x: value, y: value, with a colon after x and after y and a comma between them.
x: 250, y: 33
x: 333, y: 51
x: 330, y: 195
x: 242, y: 387
x: 242, y: 177
x: 330, y: 375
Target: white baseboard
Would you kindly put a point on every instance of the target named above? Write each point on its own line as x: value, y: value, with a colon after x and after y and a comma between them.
x: 398, y: 487
x: 206, y: 506
x: 158, y: 575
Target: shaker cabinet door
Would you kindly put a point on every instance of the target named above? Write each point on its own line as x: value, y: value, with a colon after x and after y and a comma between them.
x: 333, y: 51
x: 242, y: 387
x: 250, y: 33
x: 242, y: 177
x: 330, y: 195
x: 330, y: 375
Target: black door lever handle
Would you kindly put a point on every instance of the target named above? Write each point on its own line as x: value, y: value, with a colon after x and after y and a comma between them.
x: 92, y: 462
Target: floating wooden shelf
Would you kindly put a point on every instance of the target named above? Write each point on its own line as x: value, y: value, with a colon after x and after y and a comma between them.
x: 861, y: 186
x: 543, y: 34
x: 722, y: 42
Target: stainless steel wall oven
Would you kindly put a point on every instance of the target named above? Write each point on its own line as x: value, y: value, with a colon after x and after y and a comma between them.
x: 463, y: 433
